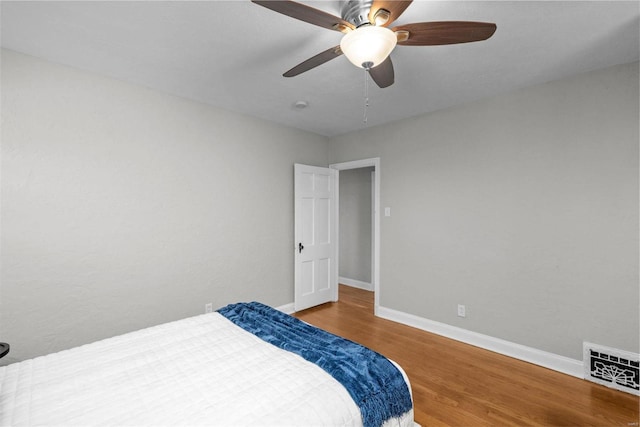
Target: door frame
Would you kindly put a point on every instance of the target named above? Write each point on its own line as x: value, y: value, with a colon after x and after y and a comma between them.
x: 375, y: 256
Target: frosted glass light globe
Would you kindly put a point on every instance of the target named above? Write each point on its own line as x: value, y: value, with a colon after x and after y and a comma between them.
x: 368, y: 45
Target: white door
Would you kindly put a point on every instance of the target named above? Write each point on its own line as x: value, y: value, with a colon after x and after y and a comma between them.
x: 316, y: 275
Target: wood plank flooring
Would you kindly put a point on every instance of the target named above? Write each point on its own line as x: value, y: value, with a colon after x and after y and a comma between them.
x: 455, y: 384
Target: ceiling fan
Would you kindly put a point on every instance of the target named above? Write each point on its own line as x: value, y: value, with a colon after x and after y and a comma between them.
x: 367, y: 40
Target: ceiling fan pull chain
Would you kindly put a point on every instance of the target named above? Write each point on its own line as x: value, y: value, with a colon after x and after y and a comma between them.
x: 366, y: 94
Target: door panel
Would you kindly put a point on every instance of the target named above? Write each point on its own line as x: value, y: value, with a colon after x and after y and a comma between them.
x: 316, y: 276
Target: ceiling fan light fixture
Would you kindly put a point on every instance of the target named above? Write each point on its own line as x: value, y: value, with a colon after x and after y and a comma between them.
x: 368, y: 45
x: 381, y: 17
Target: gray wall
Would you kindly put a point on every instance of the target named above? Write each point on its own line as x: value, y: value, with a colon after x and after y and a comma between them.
x: 123, y: 207
x: 523, y: 207
x: 355, y: 224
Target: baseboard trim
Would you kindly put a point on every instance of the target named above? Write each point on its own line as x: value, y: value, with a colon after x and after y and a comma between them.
x: 355, y: 283
x: 542, y: 358
x: 287, y: 308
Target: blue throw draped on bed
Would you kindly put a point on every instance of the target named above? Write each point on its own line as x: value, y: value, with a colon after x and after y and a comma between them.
x: 373, y: 382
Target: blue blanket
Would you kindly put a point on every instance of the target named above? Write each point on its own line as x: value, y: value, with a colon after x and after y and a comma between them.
x: 374, y: 383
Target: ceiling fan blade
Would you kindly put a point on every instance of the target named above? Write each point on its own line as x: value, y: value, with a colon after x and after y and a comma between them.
x: 306, y: 14
x: 383, y: 73
x: 314, y: 61
x: 394, y: 7
x: 445, y: 32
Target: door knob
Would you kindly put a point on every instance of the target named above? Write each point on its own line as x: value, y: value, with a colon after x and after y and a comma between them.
x: 300, y: 248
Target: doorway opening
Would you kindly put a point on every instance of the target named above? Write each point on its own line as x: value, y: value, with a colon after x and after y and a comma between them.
x: 358, y: 224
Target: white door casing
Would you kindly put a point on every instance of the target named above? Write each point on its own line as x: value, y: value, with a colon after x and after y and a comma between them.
x: 375, y: 238
x: 316, y: 274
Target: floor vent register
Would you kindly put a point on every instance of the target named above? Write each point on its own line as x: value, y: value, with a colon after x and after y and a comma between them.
x: 612, y: 367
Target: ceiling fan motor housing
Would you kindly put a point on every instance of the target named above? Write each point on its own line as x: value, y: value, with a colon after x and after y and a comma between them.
x: 357, y: 12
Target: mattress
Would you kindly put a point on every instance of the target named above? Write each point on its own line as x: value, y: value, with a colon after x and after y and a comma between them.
x: 202, y: 370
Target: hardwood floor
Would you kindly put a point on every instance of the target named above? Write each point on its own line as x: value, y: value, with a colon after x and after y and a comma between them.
x: 455, y: 384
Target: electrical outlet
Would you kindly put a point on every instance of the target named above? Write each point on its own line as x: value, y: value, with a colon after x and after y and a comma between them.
x: 208, y: 308
x: 462, y: 311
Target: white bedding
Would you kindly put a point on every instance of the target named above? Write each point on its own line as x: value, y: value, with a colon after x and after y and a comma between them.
x: 203, y: 370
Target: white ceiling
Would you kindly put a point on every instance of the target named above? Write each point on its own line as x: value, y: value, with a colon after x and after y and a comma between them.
x: 232, y: 54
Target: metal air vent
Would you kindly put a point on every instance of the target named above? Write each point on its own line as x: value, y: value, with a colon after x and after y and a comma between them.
x: 611, y: 367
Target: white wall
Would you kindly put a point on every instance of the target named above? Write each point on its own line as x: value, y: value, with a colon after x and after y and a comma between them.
x: 355, y: 224
x: 123, y: 207
x: 523, y: 207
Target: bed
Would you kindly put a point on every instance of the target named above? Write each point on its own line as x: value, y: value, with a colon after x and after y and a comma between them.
x: 230, y: 367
